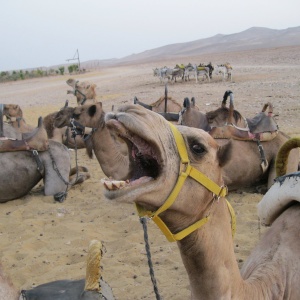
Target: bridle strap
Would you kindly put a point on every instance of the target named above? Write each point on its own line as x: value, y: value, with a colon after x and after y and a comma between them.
x: 185, y: 170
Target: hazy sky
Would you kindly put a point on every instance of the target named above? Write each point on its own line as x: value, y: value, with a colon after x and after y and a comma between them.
x: 37, y: 33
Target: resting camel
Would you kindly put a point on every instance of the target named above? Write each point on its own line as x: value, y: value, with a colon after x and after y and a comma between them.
x: 166, y: 106
x: 100, y: 139
x: 177, y: 182
x: 83, y: 91
x: 14, y: 115
x: 93, y: 287
x: 246, y: 168
x: 22, y: 167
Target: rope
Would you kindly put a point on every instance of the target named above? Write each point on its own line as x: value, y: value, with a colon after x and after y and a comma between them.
x: 147, y: 247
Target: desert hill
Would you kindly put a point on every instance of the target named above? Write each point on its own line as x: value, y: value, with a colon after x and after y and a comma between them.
x: 251, y: 39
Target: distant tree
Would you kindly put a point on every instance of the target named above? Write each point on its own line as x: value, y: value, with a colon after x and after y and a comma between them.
x: 71, y: 69
x: 21, y: 74
x: 61, y: 70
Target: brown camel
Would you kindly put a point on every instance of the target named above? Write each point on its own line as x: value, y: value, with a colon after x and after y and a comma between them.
x: 262, y: 122
x: 14, y: 115
x: 84, y: 92
x: 247, y: 167
x: 177, y: 181
x: 100, y: 140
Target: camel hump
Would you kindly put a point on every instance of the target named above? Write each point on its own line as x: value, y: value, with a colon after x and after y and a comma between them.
x: 37, y: 139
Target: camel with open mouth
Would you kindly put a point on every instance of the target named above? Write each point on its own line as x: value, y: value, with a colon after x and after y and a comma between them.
x: 176, y: 180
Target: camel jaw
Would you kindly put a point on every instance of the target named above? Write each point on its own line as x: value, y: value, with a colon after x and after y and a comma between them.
x: 145, y: 159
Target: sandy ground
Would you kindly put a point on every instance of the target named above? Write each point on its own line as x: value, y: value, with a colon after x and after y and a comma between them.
x: 42, y: 241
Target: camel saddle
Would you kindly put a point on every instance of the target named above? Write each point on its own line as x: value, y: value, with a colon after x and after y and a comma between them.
x: 34, y: 140
x: 262, y: 128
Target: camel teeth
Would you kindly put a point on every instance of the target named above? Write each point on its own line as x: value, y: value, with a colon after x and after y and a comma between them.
x: 118, y: 184
x: 108, y: 185
x: 113, y: 184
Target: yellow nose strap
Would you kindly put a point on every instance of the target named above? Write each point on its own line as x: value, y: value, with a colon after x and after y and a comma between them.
x: 185, y: 171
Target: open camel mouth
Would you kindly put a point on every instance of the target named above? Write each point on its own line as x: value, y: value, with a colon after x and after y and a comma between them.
x: 144, y: 159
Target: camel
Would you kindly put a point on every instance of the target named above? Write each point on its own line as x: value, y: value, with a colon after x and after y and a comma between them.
x: 93, y: 287
x: 14, y: 115
x: 100, y: 141
x: 159, y: 105
x: 84, y: 92
x: 20, y: 170
x: 249, y: 166
x: 179, y: 185
x: 191, y: 116
x: 166, y: 106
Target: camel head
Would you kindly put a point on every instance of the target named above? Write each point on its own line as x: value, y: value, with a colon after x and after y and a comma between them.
x: 82, y: 90
x: 88, y: 115
x: 155, y: 164
x: 63, y: 117
x: 219, y: 117
x: 12, y: 111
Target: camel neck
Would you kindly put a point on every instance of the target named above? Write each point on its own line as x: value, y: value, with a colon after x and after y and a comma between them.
x: 208, y: 256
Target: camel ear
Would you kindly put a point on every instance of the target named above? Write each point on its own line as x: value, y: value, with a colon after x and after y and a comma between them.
x: 92, y: 110
x: 224, y: 154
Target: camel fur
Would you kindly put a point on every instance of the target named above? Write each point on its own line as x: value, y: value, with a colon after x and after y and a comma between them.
x: 272, y: 269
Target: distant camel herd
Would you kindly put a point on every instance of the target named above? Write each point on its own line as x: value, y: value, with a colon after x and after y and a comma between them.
x: 186, y: 72
x: 141, y: 160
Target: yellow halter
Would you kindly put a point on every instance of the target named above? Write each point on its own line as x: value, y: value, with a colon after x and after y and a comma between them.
x: 186, y: 170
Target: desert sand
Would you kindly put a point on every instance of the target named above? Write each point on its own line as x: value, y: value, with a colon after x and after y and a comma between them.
x: 42, y: 240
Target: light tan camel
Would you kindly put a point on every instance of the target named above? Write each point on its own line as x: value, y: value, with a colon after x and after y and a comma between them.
x: 197, y: 218
x: 85, y: 92
x: 101, y: 142
x: 14, y: 116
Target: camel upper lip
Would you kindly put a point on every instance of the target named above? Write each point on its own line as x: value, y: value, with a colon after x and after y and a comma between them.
x: 145, y: 158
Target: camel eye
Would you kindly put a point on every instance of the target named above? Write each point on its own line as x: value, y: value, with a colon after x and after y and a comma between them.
x: 198, y: 149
